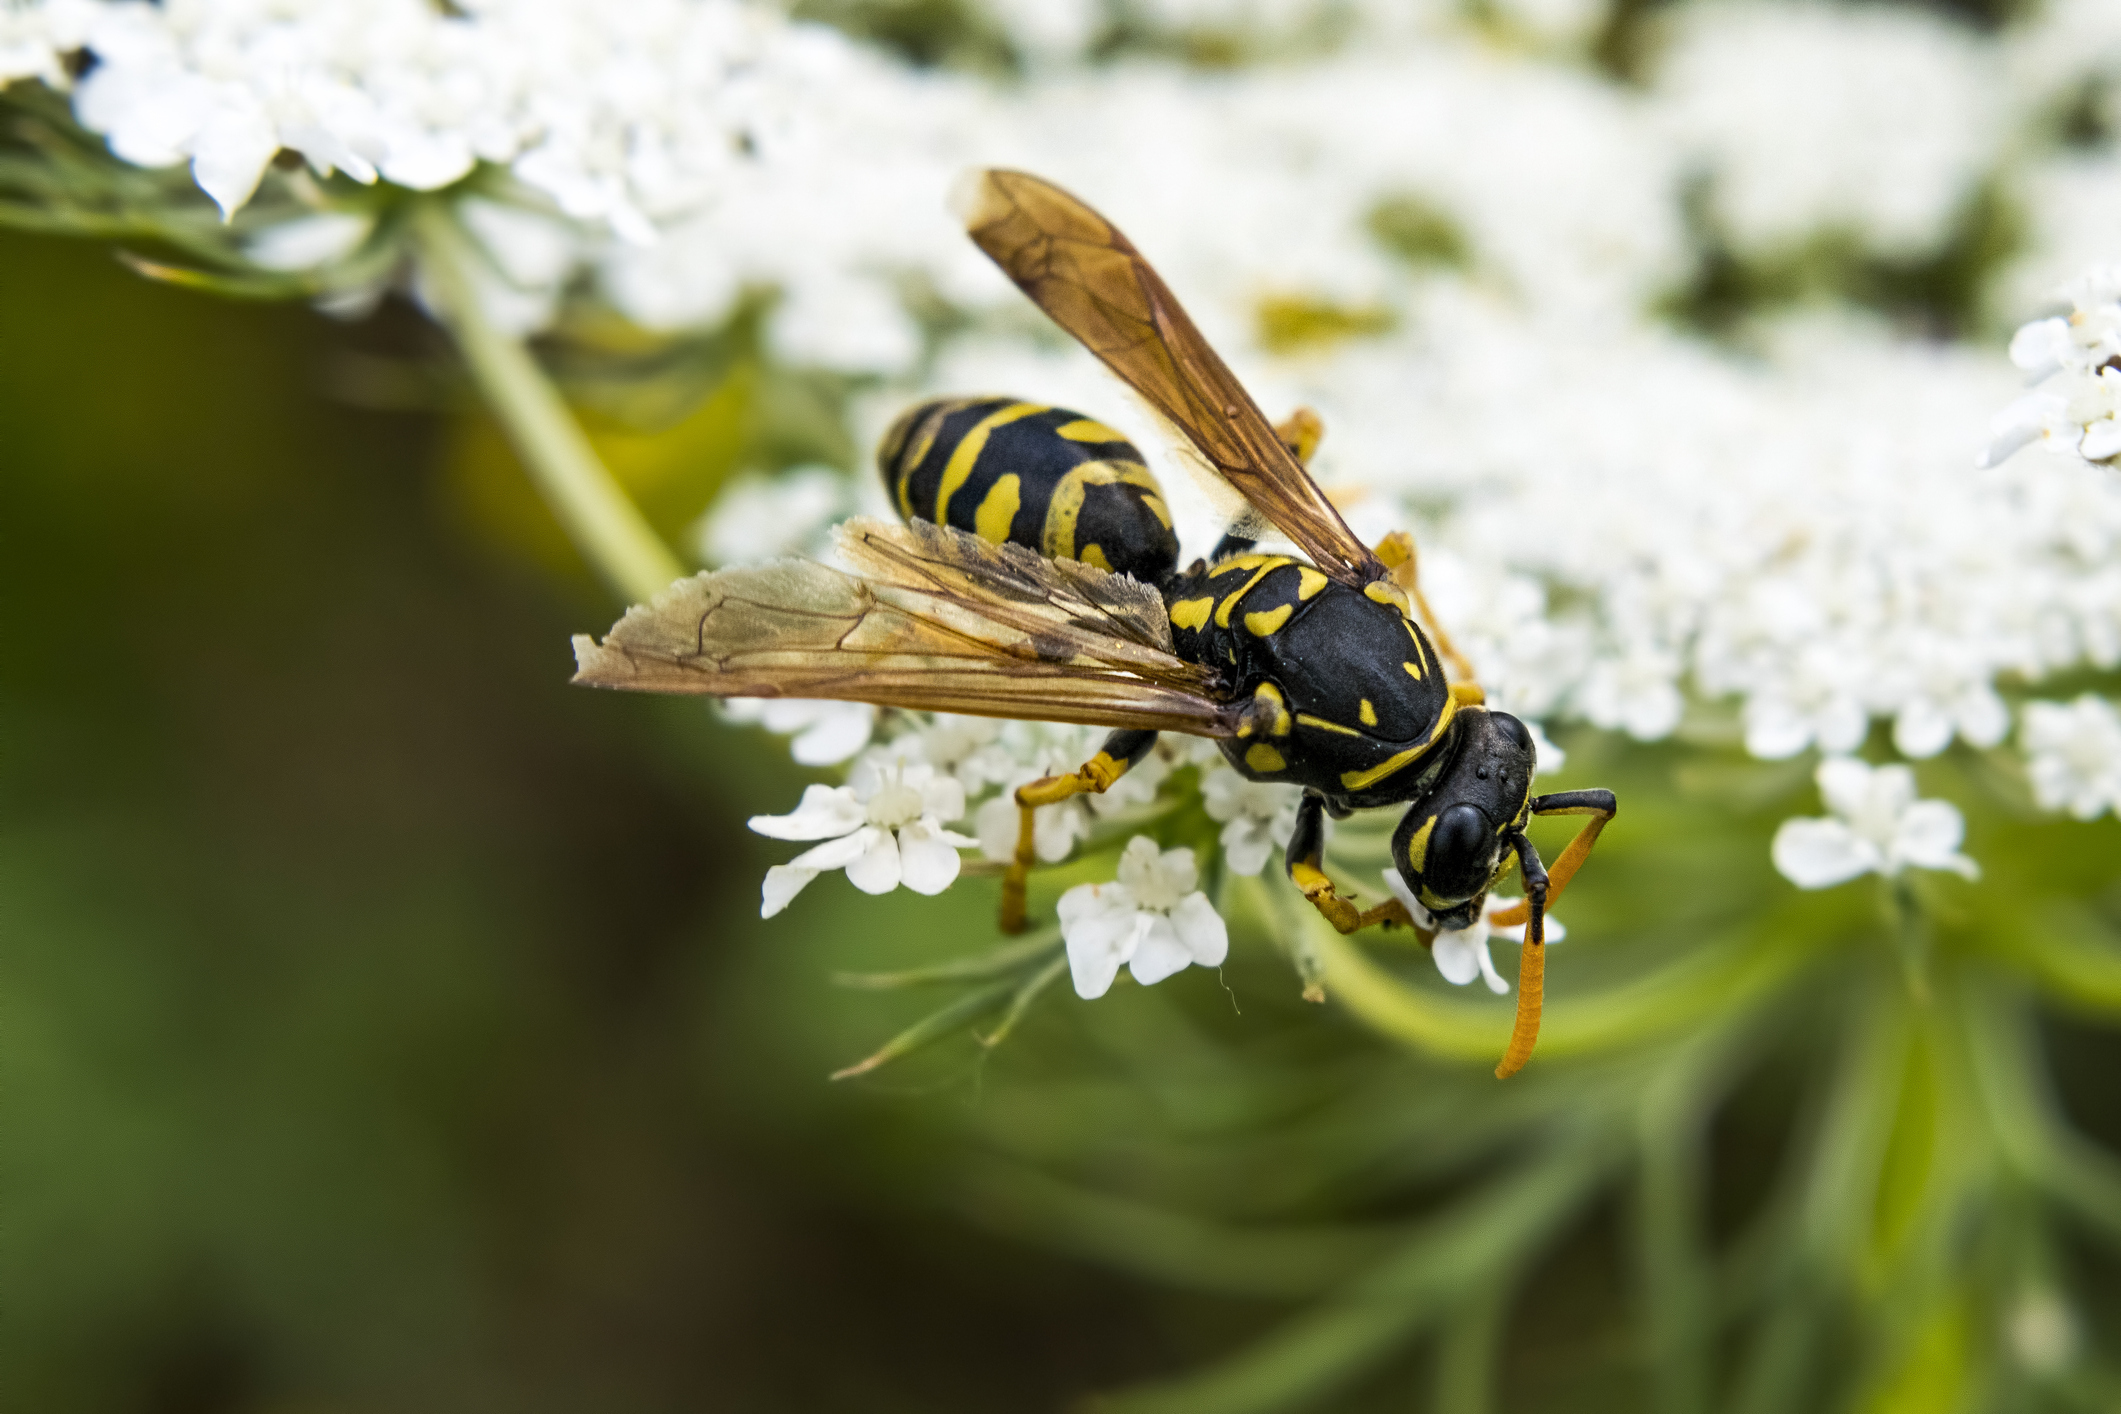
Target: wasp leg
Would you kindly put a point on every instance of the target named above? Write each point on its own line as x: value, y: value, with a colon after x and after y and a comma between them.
x: 1121, y: 751
x: 1302, y: 433
x: 1531, y: 961
x: 1307, y: 848
x: 1397, y: 552
x: 1542, y: 889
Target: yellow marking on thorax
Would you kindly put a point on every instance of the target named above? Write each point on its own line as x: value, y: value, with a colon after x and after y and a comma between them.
x: 965, y: 455
x: 1066, y: 505
x: 1306, y: 719
x: 1384, y: 591
x: 1268, y: 692
x: 1192, y: 613
x: 1267, y: 564
x: 997, y: 509
x: 1418, y: 847
x: 1363, y: 780
x: 1087, y: 429
x: 1369, y: 713
x: 1413, y: 670
x: 1264, y: 759
x: 1246, y: 562
x: 1267, y: 624
x: 1310, y: 583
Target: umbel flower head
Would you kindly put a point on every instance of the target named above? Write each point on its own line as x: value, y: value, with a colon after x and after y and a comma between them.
x: 1878, y: 827
x: 885, y: 829
x: 1151, y: 918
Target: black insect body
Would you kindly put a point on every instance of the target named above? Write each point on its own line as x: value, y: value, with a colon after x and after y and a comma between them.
x: 1036, y: 577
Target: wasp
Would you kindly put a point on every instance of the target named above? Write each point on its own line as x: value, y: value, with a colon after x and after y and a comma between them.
x: 1036, y: 576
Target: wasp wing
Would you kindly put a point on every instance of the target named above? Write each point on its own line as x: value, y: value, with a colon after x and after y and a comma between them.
x: 1081, y: 271
x: 933, y: 620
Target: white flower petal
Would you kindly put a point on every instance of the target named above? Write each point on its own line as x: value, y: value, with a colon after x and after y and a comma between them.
x: 1459, y: 956
x: 839, y: 853
x: 877, y: 870
x: 825, y: 811
x: 783, y: 883
x: 1157, y: 952
x: 1488, y: 972
x: 1816, y: 854
x: 1845, y: 785
x: 1201, y: 930
x: 929, y: 863
x: 1929, y: 836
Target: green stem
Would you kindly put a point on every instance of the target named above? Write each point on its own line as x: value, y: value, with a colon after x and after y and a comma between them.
x: 606, y: 526
x: 1717, y: 978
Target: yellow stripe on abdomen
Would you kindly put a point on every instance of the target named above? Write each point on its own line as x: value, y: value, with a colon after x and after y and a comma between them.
x: 1066, y: 504
x: 965, y: 455
x: 997, y: 509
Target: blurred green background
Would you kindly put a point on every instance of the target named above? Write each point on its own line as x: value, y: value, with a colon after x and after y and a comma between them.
x: 388, y: 1025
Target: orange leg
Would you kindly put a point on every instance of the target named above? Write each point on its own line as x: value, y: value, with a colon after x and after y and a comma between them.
x: 1096, y: 776
x: 1397, y: 551
x: 1542, y: 889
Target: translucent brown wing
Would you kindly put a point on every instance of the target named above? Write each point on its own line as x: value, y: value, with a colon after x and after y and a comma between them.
x: 1080, y: 270
x: 932, y: 619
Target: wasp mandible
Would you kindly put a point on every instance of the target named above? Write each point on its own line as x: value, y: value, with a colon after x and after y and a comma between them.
x: 1037, y: 576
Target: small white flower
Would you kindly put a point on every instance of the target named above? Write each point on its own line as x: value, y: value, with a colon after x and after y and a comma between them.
x: 825, y: 732
x: 1152, y: 919
x: 2075, y: 755
x: 965, y: 747
x: 1878, y: 827
x: 1258, y: 816
x: 1462, y: 954
x: 885, y: 829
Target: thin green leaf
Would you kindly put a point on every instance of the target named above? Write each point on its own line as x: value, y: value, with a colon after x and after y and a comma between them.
x: 1007, y: 959
x: 259, y: 287
x: 1020, y: 1003
x: 932, y: 1028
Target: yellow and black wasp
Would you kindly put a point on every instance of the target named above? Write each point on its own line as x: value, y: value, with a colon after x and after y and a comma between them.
x: 1037, y: 576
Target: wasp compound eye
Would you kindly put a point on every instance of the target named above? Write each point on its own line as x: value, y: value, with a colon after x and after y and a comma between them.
x: 1461, y: 852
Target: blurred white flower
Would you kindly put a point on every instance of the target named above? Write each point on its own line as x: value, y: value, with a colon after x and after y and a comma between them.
x: 1040, y: 749
x: 1258, y: 816
x: 758, y: 517
x: 308, y: 241
x: 885, y: 829
x: 1462, y: 954
x: 967, y: 748
x: 1152, y: 919
x: 2074, y: 367
x: 2073, y: 752
x: 1812, y: 117
x: 1877, y: 827
x: 825, y: 732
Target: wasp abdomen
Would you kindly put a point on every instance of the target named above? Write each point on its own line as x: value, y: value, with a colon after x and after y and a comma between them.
x: 1034, y: 475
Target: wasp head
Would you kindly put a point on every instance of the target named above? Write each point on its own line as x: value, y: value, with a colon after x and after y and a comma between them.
x: 1456, y: 839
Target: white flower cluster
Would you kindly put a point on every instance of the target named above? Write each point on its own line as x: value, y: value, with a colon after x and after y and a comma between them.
x: 1449, y: 236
